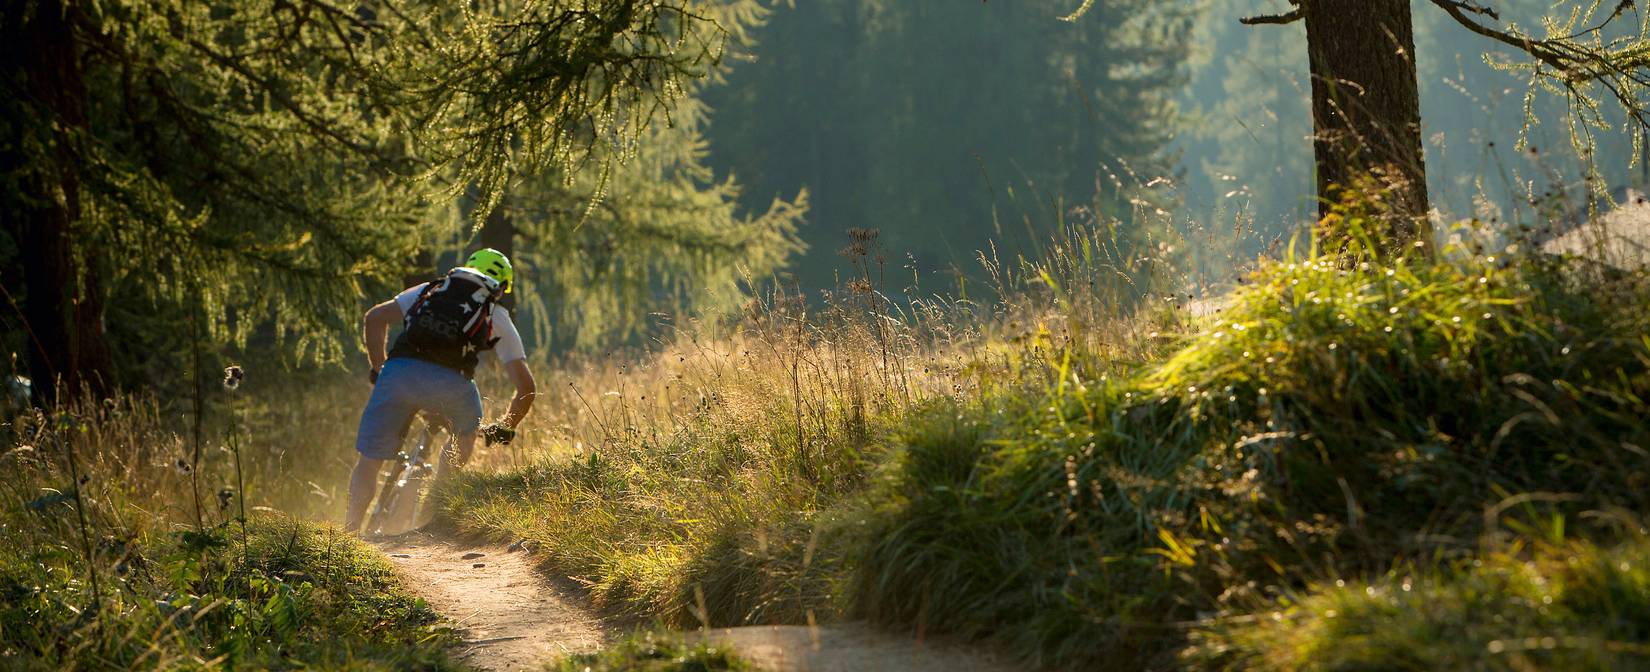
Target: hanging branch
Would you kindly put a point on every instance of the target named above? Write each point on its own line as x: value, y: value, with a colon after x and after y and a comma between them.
x: 1079, y: 12
x: 1566, y: 55
x: 1574, y: 60
x: 1571, y: 66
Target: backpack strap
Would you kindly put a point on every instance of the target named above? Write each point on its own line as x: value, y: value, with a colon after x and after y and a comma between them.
x: 476, y: 335
x: 429, y: 287
x: 484, y: 318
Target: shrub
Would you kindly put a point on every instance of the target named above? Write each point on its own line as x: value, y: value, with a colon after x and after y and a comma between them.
x: 105, y: 566
x: 1339, y: 415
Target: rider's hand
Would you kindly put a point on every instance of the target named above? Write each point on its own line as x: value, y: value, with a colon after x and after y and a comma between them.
x: 498, y: 432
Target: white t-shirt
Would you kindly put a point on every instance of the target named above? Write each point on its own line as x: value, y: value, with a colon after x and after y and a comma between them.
x: 509, y: 348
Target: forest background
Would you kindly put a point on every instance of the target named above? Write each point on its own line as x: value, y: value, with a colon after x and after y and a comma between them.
x: 849, y: 309
x: 866, y: 104
x: 956, y: 130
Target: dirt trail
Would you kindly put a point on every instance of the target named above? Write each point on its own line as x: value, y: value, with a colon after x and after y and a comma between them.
x: 512, y: 618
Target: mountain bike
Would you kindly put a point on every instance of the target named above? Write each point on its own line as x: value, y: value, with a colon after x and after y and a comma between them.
x: 397, y: 510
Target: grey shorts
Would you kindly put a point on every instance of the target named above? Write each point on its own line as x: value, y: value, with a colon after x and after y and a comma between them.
x: 405, y: 388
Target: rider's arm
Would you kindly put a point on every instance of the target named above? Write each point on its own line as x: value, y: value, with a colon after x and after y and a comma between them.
x: 376, y: 330
x: 525, y: 389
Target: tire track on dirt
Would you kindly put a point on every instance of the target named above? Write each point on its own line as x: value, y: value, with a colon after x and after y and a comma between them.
x: 514, y: 618
x: 511, y: 616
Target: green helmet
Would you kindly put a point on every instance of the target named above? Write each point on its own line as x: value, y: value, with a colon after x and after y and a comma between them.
x: 493, y: 263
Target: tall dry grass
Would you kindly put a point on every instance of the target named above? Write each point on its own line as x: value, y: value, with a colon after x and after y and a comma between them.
x: 700, y: 481
x: 1084, y: 462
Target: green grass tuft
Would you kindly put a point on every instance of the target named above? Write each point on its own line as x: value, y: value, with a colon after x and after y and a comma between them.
x: 1573, y: 607
x: 309, y: 596
x: 651, y: 652
x: 1338, y: 416
x: 93, y: 578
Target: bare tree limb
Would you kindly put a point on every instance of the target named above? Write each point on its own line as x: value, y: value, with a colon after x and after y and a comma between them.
x: 1472, y: 7
x: 1572, y: 60
x: 1274, y: 19
x: 1537, y: 48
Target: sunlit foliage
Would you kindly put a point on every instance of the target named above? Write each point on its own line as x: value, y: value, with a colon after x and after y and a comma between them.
x: 247, y: 169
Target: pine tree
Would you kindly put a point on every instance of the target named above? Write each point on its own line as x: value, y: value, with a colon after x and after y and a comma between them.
x: 951, y: 126
x: 656, y: 231
x: 250, y: 164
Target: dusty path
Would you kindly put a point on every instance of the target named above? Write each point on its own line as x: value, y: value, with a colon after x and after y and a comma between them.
x: 512, y: 618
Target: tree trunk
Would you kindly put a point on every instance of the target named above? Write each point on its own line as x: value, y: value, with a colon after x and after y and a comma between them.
x: 68, y: 349
x: 423, y: 268
x: 1366, y: 108
x: 499, y: 233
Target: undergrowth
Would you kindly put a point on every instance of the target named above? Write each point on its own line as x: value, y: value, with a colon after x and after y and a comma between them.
x: 1343, y: 413
x: 1569, y: 606
x: 1112, y: 482
x: 704, y: 483
x: 123, y: 552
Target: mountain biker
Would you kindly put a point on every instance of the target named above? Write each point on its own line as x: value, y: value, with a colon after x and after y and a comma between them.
x: 447, y: 324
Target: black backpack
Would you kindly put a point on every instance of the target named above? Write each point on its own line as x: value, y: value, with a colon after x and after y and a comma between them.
x: 451, y: 323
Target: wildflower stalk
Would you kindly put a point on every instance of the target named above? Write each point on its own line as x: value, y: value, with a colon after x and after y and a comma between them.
x: 796, y: 390
x: 195, y: 458
x: 80, y: 513
x: 232, y: 377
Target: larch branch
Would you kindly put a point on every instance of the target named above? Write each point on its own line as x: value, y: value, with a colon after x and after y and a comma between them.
x: 1540, y: 49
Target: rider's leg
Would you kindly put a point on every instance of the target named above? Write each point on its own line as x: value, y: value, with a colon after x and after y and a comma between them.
x: 383, y: 425
x: 463, y: 445
x: 363, y: 481
x: 463, y: 407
